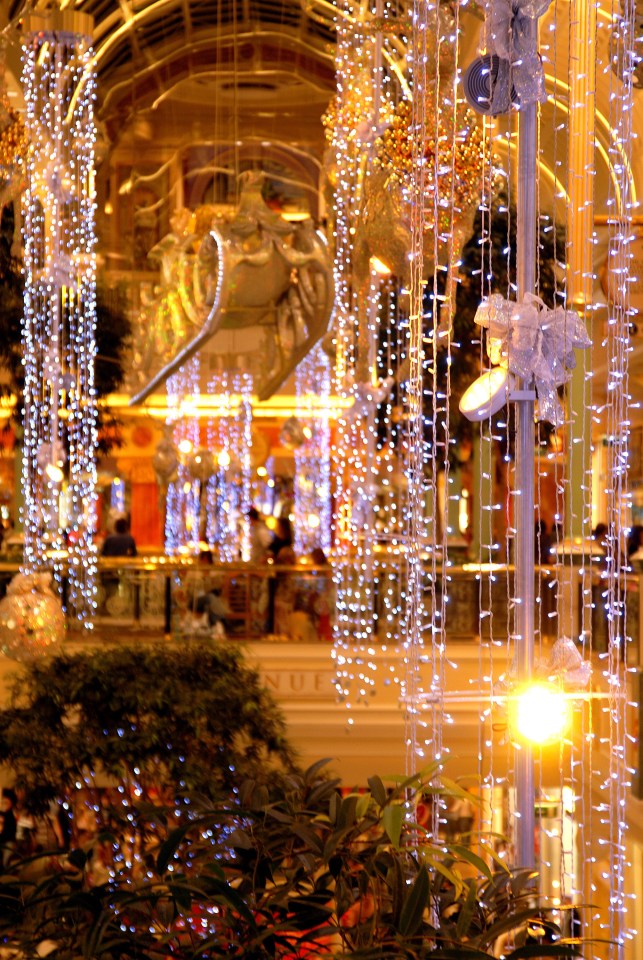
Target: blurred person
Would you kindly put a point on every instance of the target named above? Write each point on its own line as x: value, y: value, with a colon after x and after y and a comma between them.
x: 635, y: 543
x: 260, y: 536
x: 283, y: 536
x: 260, y: 540
x: 121, y: 543
x: 542, y: 544
x: 282, y: 593
x: 323, y: 598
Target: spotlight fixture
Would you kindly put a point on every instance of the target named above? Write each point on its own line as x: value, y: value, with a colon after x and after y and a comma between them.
x: 487, y: 395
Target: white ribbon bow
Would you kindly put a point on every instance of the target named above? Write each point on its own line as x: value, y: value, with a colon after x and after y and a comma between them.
x: 510, y: 40
x: 534, y: 343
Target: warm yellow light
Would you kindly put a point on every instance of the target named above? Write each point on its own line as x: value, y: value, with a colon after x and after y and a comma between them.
x: 224, y: 459
x: 313, y: 521
x: 187, y: 486
x: 54, y: 472
x: 540, y: 713
x: 307, y: 432
x: 463, y: 514
x: 271, y: 523
x: 271, y: 483
x: 185, y: 446
x: 486, y: 395
x: 380, y: 267
x: 262, y: 472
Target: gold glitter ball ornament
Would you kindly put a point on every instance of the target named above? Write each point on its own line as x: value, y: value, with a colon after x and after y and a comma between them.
x: 13, y: 143
x: 32, y: 622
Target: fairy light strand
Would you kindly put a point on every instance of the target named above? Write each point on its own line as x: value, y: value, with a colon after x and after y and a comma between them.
x: 59, y: 346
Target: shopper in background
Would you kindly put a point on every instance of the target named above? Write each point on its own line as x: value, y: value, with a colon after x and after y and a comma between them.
x: 260, y: 536
x: 121, y: 543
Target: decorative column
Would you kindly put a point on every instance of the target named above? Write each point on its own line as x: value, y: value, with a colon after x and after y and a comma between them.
x: 580, y: 254
x: 59, y: 467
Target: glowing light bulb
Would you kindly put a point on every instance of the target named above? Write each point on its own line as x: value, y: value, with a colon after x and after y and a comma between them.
x: 540, y: 714
x: 185, y: 446
x: 54, y: 472
x: 381, y: 268
x: 224, y: 459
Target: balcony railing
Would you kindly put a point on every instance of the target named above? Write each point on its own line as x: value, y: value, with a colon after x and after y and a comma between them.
x: 156, y: 597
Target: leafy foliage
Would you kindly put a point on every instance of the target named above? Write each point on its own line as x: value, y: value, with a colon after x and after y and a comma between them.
x: 193, y: 720
x: 308, y: 872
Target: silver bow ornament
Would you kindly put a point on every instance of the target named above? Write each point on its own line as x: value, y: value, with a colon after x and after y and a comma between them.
x: 510, y: 38
x: 535, y: 343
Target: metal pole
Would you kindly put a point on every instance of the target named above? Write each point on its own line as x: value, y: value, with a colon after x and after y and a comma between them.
x: 524, y: 484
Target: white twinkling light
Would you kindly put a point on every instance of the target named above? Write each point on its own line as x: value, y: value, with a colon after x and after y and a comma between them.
x: 312, y: 457
x: 59, y: 469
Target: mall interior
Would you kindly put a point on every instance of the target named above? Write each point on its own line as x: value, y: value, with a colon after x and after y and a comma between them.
x: 284, y: 216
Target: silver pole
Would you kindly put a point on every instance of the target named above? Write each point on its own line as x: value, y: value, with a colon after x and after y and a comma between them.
x: 524, y: 492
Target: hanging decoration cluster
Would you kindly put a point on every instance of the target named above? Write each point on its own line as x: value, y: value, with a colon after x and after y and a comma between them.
x: 312, y: 492
x: 13, y: 145
x: 59, y: 470
x: 183, y: 500
x: 407, y: 159
x: 227, y: 493
x: 203, y: 465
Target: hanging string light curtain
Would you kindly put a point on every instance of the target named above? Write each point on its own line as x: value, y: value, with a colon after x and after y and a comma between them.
x: 227, y: 492
x: 352, y: 126
x: 182, y: 516
x: 312, y: 492
x: 59, y: 469
x: 615, y: 781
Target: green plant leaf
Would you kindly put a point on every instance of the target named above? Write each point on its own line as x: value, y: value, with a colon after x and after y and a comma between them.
x: 533, y: 951
x: 363, y: 804
x: 453, y: 789
x: 415, y: 904
x: 440, y: 867
x: 512, y: 922
x: 169, y: 848
x: 346, y: 812
x: 378, y: 790
x: 311, y: 772
x: 489, y: 851
x: 309, y: 836
x: 467, y: 909
x: 393, y: 820
x: 422, y: 776
x: 397, y: 887
x: 464, y: 853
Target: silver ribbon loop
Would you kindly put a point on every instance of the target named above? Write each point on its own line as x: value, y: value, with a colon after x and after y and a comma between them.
x: 510, y: 40
x: 535, y: 343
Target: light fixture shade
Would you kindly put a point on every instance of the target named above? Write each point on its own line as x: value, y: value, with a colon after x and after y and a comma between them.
x: 486, y: 395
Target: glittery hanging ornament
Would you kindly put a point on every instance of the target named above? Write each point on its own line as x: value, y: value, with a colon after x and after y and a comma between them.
x: 32, y: 622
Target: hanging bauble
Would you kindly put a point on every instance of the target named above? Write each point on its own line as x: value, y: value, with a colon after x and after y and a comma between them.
x: 201, y: 465
x: 166, y: 462
x: 32, y: 622
x: 259, y: 448
x: 292, y: 434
